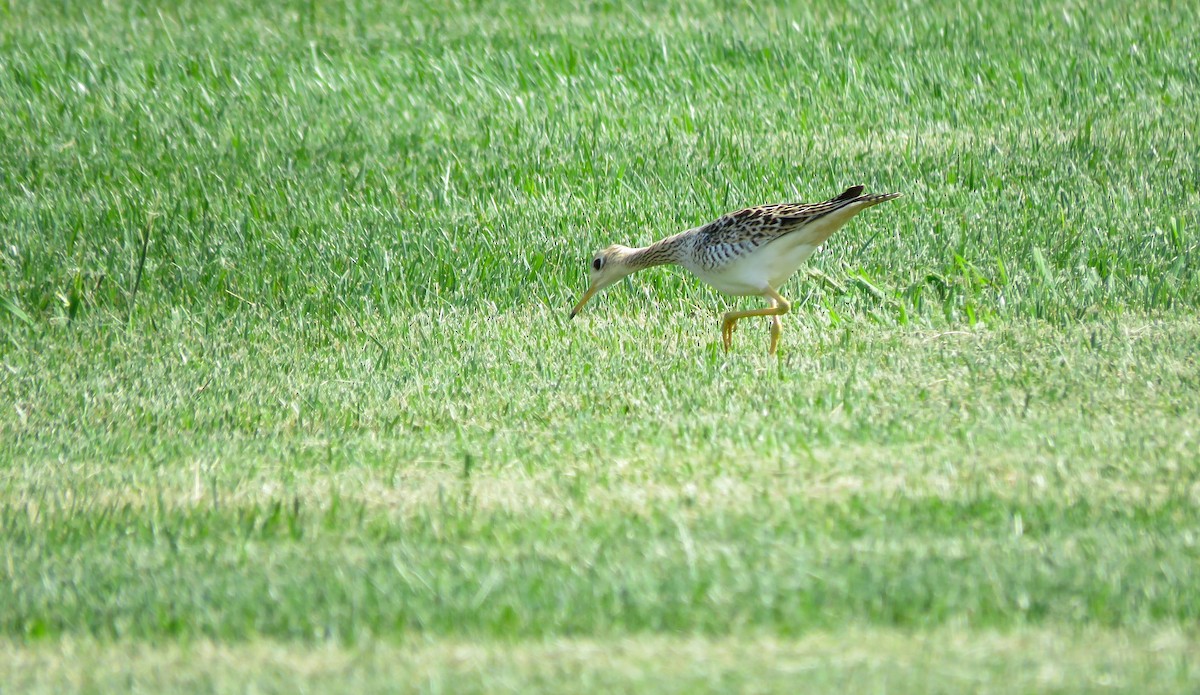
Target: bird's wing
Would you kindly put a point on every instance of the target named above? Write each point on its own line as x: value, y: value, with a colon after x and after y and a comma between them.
x: 739, y: 232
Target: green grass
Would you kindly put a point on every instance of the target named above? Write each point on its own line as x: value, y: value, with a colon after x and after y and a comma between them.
x: 289, y: 397
x: 847, y: 661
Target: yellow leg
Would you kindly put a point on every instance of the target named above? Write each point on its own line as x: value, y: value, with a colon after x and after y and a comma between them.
x: 779, y: 307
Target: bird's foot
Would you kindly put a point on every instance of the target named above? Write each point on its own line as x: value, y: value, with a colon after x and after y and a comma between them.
x: 727, y: 326
x: 776, y: 330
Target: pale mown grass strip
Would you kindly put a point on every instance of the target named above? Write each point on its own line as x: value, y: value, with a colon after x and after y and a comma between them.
x: 1026, y: 412
x: 916, y: 471
x: 949, y: 660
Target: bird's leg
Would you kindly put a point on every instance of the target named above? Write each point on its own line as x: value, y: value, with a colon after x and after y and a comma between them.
x: 782, y: 306
x: 779, y: 307
x: 727, y: 322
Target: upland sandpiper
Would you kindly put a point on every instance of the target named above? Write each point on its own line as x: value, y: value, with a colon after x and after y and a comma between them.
x: 750, y: 252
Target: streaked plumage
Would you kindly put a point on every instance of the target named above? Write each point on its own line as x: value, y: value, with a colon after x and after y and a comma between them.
x: 746, y: 252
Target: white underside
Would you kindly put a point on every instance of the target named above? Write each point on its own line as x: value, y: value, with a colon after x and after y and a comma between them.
x: 772, y: 265
x: 768, y: 267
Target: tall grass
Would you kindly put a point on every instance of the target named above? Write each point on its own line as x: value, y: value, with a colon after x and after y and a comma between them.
x: 372, y: 156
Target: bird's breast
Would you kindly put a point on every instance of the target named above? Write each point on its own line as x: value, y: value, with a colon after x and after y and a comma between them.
x: 753, y: 272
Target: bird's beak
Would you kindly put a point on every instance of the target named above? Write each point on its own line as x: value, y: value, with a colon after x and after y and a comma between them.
x: 586, y: 296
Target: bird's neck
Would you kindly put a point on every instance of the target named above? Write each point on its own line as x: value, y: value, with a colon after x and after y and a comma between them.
x: 660, y: 252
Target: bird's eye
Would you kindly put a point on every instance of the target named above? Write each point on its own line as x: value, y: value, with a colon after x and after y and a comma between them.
x: 598, y: 263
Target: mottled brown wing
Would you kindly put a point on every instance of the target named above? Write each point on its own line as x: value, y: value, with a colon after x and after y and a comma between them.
x: 739, y: 232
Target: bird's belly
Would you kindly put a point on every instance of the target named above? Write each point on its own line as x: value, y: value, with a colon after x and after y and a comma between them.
x: 767, y: 266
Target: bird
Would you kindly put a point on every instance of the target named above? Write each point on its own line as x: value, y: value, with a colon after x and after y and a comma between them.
x: 748, y: 252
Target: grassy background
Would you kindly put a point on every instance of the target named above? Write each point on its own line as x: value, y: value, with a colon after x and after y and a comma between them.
x: 286, y: 376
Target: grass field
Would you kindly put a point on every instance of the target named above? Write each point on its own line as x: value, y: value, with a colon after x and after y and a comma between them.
x: 289, y: 399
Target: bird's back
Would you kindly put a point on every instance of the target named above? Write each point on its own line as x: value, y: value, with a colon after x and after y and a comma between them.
x: 739, y: 233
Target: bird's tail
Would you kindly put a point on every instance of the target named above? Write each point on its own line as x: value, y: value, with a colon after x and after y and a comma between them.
x: 849, y: 194
x: 854, y: 194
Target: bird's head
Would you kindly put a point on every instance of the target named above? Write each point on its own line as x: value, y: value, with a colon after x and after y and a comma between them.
x: 606, y: 267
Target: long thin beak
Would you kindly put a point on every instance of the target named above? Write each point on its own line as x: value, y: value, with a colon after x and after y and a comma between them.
x: 586, y: 296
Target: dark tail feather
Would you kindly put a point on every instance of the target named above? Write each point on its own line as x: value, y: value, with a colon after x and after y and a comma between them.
x: 850, y: 194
